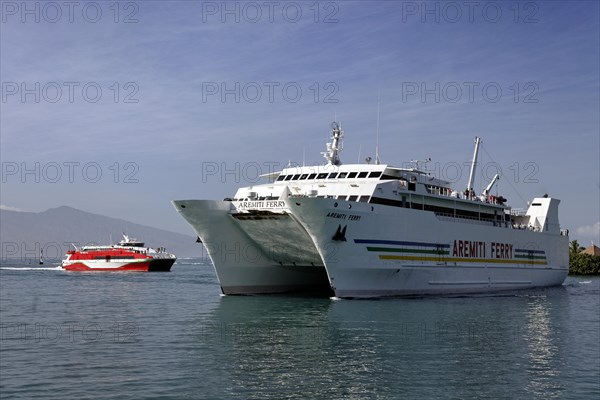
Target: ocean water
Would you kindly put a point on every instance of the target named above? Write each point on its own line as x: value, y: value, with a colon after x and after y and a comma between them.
x: 67, y: 335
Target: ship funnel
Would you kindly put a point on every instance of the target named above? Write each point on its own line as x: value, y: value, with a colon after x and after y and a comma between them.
x: 543, y: 215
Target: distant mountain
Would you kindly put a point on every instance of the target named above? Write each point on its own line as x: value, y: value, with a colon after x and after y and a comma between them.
x: 22, y: 234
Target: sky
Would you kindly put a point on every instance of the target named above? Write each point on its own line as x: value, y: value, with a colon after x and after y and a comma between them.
x: 117, y: 108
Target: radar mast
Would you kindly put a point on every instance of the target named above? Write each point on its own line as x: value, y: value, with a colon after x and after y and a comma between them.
x: 332, y: 155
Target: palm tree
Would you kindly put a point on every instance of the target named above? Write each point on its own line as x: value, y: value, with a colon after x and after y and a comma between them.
x: 574, y: 248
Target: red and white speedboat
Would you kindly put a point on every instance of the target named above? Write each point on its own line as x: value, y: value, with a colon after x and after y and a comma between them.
x: 129, y: 255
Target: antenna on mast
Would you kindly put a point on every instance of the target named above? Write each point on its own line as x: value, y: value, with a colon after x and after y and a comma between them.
x: 377, y: 135
x: 473, y: 165
x: 304, y: 156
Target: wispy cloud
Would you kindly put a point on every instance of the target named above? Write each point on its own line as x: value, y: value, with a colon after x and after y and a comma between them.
x: 590, y: 231
x: 9, y: 208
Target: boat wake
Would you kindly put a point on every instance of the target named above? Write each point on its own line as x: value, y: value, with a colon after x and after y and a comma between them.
x: 32, y: 268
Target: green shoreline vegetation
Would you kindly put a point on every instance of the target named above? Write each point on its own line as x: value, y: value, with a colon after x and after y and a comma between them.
x: 581, y: 263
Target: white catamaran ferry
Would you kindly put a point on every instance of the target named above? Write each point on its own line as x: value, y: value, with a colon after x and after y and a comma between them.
x: 365, y: 230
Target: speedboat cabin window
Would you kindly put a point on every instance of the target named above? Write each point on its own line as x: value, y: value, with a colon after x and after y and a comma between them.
x: 352, y: 175
x: 375, y: 174
x: 363, y: 174
x: 333, y: 175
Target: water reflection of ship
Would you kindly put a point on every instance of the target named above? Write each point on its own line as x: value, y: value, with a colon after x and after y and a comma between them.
x: 282, y: 347
x: 546, y: 316
x: 248, y: 319
x: 286, y: 347
x: 465, y: 346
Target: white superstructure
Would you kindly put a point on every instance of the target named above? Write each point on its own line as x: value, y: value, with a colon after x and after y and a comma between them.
x: 364, y: 230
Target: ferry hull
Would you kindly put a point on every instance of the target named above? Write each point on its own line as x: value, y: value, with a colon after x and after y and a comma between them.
x: 157, y: 265
x: 271, y: 280
x: 252, y: 261
x: 419, y: 280
x: 353, y: 249
x: 390, y: 251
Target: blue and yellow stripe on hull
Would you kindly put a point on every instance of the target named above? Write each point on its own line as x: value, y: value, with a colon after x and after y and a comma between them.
x: 440, y: 253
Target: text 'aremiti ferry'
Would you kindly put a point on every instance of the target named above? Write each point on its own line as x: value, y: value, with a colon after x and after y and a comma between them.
x: 129, y: 255
x: 364, y: 230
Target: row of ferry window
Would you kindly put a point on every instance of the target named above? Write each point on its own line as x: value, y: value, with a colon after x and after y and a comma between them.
x: 330, y: 175
x: 361, y: 199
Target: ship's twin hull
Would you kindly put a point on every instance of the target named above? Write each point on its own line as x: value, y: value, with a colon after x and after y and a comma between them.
x: 365, y: 250
x: 259, y: 263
